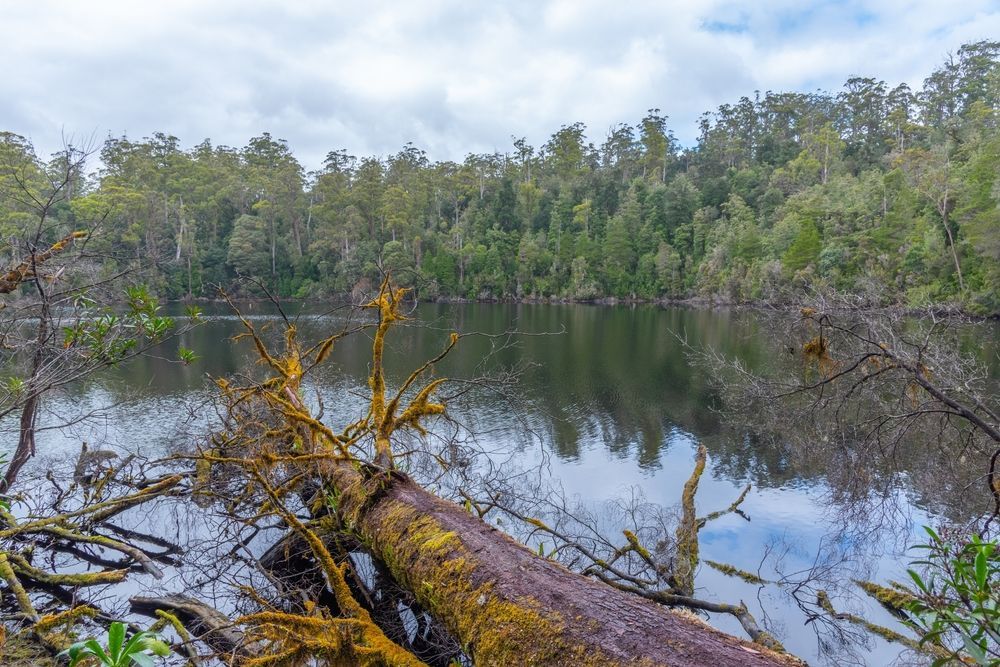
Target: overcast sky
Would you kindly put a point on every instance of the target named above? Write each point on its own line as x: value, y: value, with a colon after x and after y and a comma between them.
x: 453, y: 76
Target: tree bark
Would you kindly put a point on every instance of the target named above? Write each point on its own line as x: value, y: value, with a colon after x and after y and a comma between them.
x: 943, y: 209
x: 25, y: 442
x: 211, y: 626
x: 506, y: 605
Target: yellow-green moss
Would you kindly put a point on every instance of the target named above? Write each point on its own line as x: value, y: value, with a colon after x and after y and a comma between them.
x: 175, y: 623
x: 21, y: 650
x: 732, y: 571
x: 636, y: 545
x: 70, y: 616
x: 895, y: 600
x: 440, y: 541
x: 101, y: 577
x: 885, y: 633
x: 495, y: 630
x: 23, y: 601
x: 538, y: 523
x: 687, y: 529
x: 56, y: 630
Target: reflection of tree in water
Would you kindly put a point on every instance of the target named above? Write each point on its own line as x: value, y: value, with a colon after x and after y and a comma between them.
x: 619, y: 376
x: 615, y: 378
x: 873, y: 403
x: 748, y: 455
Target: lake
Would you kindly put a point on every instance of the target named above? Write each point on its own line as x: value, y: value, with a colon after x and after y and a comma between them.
x: 607, y: 398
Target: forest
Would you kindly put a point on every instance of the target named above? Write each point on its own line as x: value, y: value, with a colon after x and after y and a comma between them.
x: 875, y: 188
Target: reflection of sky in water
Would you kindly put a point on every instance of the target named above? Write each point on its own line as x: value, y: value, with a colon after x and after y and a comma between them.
x: 797, y: 514
x: 613, y: 398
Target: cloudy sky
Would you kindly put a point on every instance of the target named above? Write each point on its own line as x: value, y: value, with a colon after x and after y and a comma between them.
x: 453, y: 76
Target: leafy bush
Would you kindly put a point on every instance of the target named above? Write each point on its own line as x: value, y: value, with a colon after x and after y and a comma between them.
x: 958, y: 599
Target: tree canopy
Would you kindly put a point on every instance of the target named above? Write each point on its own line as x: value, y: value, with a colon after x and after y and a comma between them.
x: 782, y: 192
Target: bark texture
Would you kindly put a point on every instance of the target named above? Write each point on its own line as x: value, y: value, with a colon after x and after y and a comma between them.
x: 508, y: 606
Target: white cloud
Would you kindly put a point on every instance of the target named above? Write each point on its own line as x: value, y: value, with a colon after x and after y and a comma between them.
x: 451, y: 76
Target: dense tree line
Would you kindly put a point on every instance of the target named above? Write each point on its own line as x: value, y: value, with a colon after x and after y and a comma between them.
x: 880, y: 186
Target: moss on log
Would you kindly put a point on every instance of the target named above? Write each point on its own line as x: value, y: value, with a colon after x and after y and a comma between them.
x: 505, y: 604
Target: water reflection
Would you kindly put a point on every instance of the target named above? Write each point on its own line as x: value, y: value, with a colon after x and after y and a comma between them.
x: 612, y: 396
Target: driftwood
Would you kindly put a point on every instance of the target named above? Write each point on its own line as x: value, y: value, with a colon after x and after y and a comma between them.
x: 290, y: 564
x: 12, y: 279
x: 208, y: 624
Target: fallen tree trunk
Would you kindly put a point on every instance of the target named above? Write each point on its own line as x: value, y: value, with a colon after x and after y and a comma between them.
x: 505, y: 604
x: 291, y: 562
x: 502, y: 603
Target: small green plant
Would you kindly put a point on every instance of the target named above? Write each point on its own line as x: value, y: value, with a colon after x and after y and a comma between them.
x: 958, y: 599
x: 139, y: 298
x: 111, y: 336
x: 186, y: 355
x: 13, y: 385
x: 139, y: 650
x: 84, y: 301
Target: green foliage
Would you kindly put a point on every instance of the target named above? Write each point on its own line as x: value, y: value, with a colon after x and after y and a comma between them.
x: 249, y: 250
x: 876, y: 182
x: 186, y: 355
x: 108, y: 336
x: 958, y: 601
x: 805, y: 249
x: 116, y: 651
x: 13, y: 385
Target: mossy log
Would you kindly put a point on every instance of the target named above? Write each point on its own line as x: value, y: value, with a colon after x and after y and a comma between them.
x: 214, y: 628
x: 504, y: 603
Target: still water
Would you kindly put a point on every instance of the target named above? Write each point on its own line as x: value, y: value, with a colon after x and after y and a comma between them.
x: 607, y: 396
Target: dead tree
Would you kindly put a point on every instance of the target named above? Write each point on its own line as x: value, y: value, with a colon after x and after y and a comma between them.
x: 887, y: 390
x: 876, y: 393
x: 502, y: 602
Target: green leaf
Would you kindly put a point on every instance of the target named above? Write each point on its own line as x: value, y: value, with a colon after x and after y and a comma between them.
x: 975, y: 650
x: 91, y: 646
x: 142, y: 660
x: 72, y: 651
x: 917, y: 581
x: 116, y: 639
x: 186, y: 355
x: 134, y: 644
x: 981, y: 569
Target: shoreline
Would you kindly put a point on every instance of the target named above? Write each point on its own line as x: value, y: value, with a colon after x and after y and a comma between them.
x: 943, y: 310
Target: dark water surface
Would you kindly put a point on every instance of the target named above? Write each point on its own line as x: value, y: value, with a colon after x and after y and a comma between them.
x: 612, y: 399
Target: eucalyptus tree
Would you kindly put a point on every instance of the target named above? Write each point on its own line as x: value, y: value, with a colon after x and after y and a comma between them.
x: 566, y: 154
x: 274, y: 180
x: 658, y: 145
x: 932, y: 174
x: 863, y: 109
